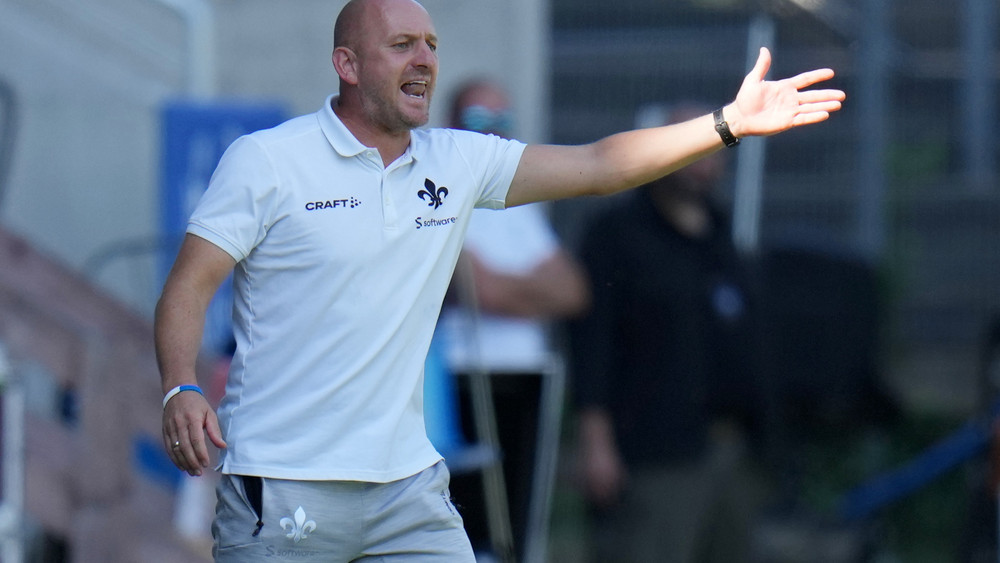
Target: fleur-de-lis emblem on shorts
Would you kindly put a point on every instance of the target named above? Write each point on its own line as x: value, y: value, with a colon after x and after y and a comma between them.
x: 435, y: 194
x: 299, y: 528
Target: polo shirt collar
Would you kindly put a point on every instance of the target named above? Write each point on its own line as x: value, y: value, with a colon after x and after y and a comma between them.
x: 344, y: 142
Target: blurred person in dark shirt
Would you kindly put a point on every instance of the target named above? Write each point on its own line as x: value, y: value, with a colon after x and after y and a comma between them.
x: 664, y: 378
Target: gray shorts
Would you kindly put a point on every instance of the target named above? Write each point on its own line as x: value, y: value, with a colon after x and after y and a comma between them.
x: 413, y: 519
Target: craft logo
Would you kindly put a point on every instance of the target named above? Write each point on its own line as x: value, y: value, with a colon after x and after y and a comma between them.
x: 349, y: 203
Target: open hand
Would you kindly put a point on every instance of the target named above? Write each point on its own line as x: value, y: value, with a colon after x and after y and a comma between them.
x: 765, y: 107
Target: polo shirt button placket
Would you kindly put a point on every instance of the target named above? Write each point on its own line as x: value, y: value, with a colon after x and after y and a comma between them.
x: 388, y: 209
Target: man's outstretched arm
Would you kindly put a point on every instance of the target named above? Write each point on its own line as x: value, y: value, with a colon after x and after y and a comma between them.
x: 180, y: 319
x: 630, y: 159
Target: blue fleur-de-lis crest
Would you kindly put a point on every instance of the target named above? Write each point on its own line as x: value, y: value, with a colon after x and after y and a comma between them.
x: 299, y: 528
x: 433, y: 192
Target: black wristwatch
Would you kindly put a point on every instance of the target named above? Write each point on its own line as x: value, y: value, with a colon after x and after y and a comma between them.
x: 723, y: 129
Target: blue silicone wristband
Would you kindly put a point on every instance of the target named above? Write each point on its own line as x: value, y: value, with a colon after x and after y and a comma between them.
x: 170, y: 394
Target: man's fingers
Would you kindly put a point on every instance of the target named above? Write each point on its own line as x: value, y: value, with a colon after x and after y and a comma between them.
x: 173, y: 443
x: 810, y: 118
x: 168, y: 443
x: 214, y: 432
x: 198, y: 443
x: 806, y: 79
x: 190, y: 461
x: 183, y: 455
x: 828, y: 107
x: 826, y: 103
x: 198, y: 449
x: 812, y: 96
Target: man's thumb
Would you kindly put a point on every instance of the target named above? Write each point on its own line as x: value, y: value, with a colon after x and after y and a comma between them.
x: 762, y: 65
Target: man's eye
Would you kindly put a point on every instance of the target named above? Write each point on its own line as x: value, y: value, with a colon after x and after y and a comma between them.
x: 433, y: 47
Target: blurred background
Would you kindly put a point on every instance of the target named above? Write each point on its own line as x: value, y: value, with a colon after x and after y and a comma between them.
x: 874, y: 237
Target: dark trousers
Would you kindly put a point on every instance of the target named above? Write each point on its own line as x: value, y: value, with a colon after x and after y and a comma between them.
x: 517, y: 402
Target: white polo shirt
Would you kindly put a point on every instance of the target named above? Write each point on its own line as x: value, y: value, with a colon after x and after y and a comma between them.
x: 342, y: 268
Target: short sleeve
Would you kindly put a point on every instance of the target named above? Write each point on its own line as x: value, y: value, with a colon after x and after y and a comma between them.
x: 239, y: 205
x: 493, y: 161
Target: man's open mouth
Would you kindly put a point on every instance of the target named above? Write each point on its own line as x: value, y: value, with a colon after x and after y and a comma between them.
x: 415, y: 88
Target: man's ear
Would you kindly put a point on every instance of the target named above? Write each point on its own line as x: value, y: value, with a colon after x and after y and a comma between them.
x: 345, y: 62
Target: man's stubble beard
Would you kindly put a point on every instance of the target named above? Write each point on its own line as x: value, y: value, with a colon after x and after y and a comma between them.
x: 388, y: 116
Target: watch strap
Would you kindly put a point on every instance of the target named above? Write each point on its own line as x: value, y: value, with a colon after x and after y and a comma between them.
x: 722, y: 128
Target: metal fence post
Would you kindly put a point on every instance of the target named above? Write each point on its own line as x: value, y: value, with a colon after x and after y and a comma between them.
x: 12, y: 505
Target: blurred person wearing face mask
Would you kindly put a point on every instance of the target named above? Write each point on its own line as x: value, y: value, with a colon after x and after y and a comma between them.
x: 523, y: 283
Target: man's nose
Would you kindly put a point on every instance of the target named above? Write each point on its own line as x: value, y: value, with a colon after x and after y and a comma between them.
x: 425, y: 56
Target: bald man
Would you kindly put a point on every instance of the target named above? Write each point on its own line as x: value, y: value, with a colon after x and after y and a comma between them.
x: 341, y: 229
